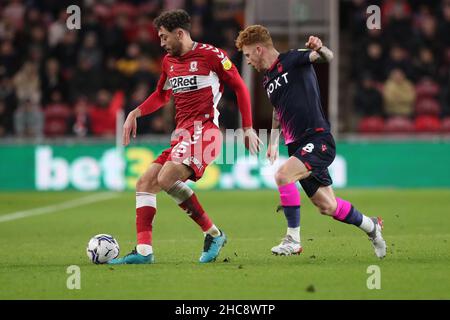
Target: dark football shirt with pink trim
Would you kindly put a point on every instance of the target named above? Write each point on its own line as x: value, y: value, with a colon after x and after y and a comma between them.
x: 292, y: 87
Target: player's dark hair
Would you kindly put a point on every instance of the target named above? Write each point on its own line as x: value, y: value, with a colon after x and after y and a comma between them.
x: 173, y: 19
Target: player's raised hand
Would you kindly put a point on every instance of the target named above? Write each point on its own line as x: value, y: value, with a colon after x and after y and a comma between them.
x: 272, y: 153
x: 252, y: 142
x: 129, y: 128
x: 314, y: 43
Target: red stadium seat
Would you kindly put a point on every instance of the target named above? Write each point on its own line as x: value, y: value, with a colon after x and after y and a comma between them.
x: 427, y: 88
x: 428, y: 106
x: 445, y: 125
x: 371, y: 124
x: 398, y: 124
x: 56, y: 116
x: 427, y: 123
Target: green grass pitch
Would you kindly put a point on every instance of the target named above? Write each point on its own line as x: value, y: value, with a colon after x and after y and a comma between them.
x: 36, y: 251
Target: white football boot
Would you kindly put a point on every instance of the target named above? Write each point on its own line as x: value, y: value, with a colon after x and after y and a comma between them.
x: 287, y: 247
x: 377, y: 239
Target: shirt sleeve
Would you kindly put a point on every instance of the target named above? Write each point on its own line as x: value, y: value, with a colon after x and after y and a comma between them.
x: 301, y: 56
x: 159, y: 97
x: 228, y: 73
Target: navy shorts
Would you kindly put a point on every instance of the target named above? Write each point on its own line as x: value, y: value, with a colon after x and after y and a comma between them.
x: 316, y: 152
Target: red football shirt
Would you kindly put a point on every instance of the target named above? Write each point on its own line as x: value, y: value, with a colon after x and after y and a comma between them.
x: 196, y: 80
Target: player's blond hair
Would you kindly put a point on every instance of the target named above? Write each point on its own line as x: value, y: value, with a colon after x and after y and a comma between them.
x: 254, y: 34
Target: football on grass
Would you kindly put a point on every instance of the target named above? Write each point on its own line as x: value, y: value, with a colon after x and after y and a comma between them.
x: 102, y: 248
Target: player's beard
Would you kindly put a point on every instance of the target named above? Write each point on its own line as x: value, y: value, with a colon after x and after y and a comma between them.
x: 176, y: 49
x: 258, y: 67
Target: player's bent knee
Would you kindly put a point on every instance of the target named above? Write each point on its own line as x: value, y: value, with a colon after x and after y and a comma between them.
x: 281, y: 177
x: 165, y: 181
x: 147, y: 185
x: 325, y: 207
x: 327, y: 211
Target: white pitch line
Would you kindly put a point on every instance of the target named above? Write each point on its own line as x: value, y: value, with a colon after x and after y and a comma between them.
x: 58, y: 207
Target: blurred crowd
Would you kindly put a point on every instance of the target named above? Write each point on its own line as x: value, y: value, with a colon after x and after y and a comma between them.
x: 60, y: 82
x: 402, y: 69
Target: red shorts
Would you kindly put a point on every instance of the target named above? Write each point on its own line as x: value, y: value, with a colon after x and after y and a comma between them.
x: 196, y: 147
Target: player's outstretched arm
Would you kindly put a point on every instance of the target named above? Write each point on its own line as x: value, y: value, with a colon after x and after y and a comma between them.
x: 229, y: 74
x: 154, y: 102
x: 273, y: 148
x: 252, y: 142
x: 130, y: 126
x: 320, y: 53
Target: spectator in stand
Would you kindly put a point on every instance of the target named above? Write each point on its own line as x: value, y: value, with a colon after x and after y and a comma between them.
x: 357, y: 19
x: 420, y: 14
x: 444, y: 26
x: 116, y: 48
x: 35, y: 44
x: 56, y: 114
x: 79, y: 124
x: 229, y: 35
x: 112, y: 37
x: 8, y: 94
x: 90, y: 51
x: 397, y: 19
x: 392, y: 9
x: 51, y: 79
x: 373, y: 63
x: 112, y: 79
x: 29, y: 119
x: 145, y: 73
x: 85, y: 81
x: 103, y: 113
x: 415, y: 33
x: 14, y: 14
x: 147, y: 39
x: 66, y: 52
x: 9, y: 59
x: 103, y: 122
x: 399, y: 59
x: 129, y: 64
x: 57, y: 29
x: 89, y: 21
x: 6, y: 120
x: 27, y: 83
x: 445, y: 98
x: 399, y: 95
x: 428, y: 35
x: 173, y: 4
x: 197, y: 27
x: 425, y: 65
x: 143, y: 28
x: 368, y: 99
x: 150, y: 124
x: 228, y: 114
x: 201, y: 8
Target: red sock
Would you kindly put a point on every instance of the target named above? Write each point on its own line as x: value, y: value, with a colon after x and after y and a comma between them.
x: 145, y: 212
x: 196, y: 212
x: 144, y: 220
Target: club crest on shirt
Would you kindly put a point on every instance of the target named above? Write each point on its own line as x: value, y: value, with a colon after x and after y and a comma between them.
x: 193, y: 66
x: 280, y: 67
x: 226, y: 63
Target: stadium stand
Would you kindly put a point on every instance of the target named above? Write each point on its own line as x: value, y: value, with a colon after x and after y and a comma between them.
x: 112, y: 62
x: 408, y: 62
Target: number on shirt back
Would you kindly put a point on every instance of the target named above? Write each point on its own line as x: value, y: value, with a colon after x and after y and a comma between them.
x: 308, y: 148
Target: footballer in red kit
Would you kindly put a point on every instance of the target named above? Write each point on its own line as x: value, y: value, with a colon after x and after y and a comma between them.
x: 194, y: 74
x: 196, y: 81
